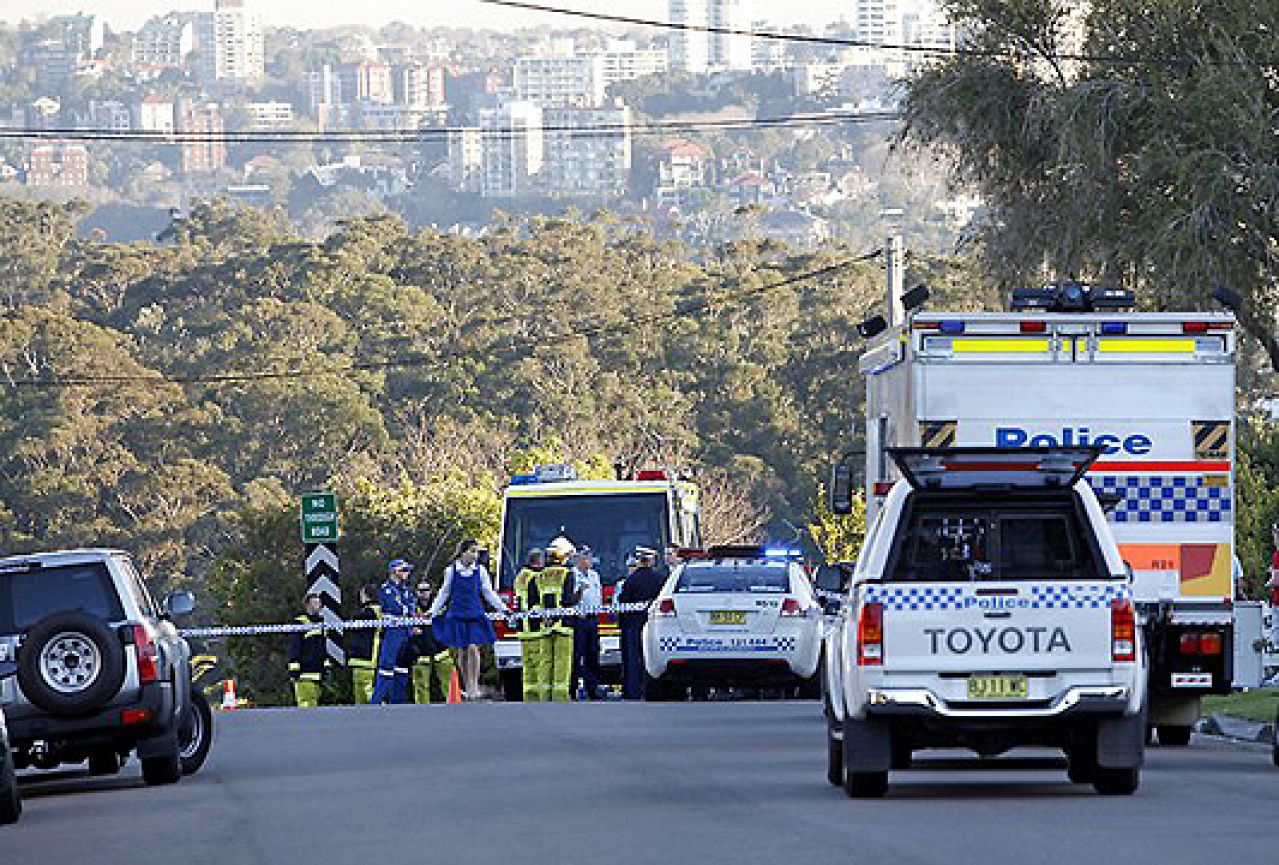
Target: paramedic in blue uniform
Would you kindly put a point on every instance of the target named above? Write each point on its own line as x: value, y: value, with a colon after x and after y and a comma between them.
x: 396, y: 599
x: 642, y: 586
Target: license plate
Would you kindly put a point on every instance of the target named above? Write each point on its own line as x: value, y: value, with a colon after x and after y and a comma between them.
x: 997, y: 688
x: 728, y: 617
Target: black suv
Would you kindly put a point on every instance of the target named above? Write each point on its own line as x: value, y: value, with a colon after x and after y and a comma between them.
x: 101, y: 670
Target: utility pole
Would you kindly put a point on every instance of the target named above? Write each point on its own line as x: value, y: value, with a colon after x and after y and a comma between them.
x: 895, y: 273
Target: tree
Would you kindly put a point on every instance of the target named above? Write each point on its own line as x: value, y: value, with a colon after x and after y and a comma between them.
x: 838, y: 536
x: 1152, y: 163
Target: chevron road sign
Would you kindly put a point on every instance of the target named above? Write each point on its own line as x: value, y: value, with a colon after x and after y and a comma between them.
x: 320, y: 533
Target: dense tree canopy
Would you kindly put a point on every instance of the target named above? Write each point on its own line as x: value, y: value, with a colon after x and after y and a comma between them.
x: 1144, y: 153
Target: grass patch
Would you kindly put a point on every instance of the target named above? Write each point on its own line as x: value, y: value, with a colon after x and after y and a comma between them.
x: 1258, y: 705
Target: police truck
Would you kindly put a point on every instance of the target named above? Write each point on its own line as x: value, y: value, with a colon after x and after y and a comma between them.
x: 1072, y: 366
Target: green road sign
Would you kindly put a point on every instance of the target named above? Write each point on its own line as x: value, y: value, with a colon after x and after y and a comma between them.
x: 319, y: 518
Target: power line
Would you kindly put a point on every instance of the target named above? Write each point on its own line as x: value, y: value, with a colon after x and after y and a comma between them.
x: 852, y: 42
x: 682, y: 310
x: 436, y: 133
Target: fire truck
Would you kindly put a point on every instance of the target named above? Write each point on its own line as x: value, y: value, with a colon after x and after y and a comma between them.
x: 612, y: 517
x: 1070, y: 365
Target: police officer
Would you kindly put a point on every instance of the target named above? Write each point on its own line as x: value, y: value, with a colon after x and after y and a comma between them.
x: 362, y: 646
x: 642, y: 586
x: 586, y: 628
x: 427, y: 656
x: 397, y: 601
x: 308, y: 655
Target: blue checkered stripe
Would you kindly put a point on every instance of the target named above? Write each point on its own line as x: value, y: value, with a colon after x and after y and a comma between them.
x: 917, y: 597
x: 1042, y: 596
x: 1164, y: 498
x: 1048, y: 597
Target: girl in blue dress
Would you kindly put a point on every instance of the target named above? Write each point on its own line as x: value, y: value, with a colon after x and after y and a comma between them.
x: 463, y: 625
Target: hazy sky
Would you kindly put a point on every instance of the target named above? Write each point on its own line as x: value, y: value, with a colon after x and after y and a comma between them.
x: 128, y: 14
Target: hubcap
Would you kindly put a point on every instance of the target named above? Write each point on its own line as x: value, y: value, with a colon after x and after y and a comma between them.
x: 192, y: 734
x: 70, y: 663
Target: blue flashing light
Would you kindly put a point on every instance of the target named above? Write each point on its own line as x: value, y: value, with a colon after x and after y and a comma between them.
x: 951, y: 327
x: 523, y: 480
x: 782, y: 553
x: 1114, y: 328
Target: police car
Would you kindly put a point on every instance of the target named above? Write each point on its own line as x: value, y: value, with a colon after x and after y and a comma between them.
x: 989, y: 609
x: 734, y: 616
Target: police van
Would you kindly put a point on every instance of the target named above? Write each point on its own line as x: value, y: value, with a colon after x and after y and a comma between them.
x: 989, y: 609
x: 1154, y: 392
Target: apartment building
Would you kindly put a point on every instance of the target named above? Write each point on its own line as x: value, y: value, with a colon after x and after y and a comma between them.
x: 588, y: 151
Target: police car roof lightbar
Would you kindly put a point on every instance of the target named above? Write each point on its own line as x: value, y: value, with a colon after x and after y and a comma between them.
x: 1072, y: 297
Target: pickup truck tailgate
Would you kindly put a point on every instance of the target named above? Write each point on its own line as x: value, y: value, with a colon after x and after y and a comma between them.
x: 1024, y: 626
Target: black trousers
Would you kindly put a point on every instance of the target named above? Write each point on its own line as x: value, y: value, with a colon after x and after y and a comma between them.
x: 633, y: 660
x: 586, y: 654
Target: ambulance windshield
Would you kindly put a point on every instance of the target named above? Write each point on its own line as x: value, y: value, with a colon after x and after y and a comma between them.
x: 611, y: 525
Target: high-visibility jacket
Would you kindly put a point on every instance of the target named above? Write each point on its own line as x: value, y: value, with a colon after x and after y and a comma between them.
x: 362, y: 646
x: 552, y: 587
x: 307, y: 652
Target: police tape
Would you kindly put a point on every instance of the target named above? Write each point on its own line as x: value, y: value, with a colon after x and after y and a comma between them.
x: 405, y: 621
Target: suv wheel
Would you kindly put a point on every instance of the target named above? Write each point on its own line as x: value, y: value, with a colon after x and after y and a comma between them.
x: 10, y: 799
x: 70, y: 663
x: 162, y: 770
x: 196, y: 734
x: 1116, y: 782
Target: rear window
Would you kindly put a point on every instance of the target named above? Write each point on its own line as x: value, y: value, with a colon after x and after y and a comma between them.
x: 26, y: 597
x: 730, y: 577
x: 1034, y: 541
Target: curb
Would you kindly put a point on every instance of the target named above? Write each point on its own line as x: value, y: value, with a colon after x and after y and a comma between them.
x: 1237, y: 729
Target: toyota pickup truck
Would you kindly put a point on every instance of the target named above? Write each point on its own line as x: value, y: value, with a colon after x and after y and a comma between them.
x: 989, y: 609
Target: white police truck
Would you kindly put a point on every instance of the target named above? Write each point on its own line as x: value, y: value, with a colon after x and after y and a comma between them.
x: 989, y: 609
x: 1070, y: 366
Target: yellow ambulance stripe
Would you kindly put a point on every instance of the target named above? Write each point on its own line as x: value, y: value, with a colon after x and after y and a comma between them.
x: 964, y: 345
x: 1122, y: 345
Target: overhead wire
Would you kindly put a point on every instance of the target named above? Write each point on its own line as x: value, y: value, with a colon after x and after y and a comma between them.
x: 435, y: 133
x: 854, y: 42
x: 682, y: 310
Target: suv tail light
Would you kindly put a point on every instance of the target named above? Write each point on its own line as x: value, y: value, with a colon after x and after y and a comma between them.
x: 791, y: 609
x: 1123, y: 630
x: 148, y: 655
x: 1210, y: 644
x: 665, y: 608
x: 1189, y: 644
x: 870, y: 635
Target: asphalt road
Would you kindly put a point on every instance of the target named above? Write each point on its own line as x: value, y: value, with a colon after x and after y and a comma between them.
x: 616, y: 783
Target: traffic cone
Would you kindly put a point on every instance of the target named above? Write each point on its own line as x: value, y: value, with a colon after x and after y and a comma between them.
x: 455, y: 689
x: 229, y: 702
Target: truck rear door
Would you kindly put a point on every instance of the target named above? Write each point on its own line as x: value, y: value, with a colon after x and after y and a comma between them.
x: 997, y: 578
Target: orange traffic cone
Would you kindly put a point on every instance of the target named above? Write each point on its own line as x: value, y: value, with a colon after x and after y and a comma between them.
x: 229, y: 702
x: 455, y: 689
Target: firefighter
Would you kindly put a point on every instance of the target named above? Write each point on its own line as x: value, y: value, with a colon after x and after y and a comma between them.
x: 308, y: 656
x: 430, y: 659
x: 362, y: 647
x: 396, y: 601
x: 529, y: 631
x: 547, y: 643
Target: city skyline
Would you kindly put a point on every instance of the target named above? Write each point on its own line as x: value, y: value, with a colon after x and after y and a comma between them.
x: 130, y: 14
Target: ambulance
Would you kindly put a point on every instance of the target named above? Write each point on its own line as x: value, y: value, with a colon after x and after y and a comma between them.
x: 1071, y: 366
x: 612, y: 517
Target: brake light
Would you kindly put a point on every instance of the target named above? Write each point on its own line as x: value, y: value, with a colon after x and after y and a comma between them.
x: 665, y: 608
x: 148, y: 655
x: 1210, y: 644
x: 883, y: 488
x: 791, y: 608
x: 870, y: 635
x: 1034, y: 327
x: 1123, y: 630
x: 651, y: 475
x: 1189, y: 644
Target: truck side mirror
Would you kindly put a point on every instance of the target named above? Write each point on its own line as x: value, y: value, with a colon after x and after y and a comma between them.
x: 179, y: 604
x: 841, y: 489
